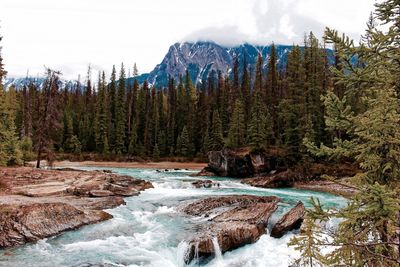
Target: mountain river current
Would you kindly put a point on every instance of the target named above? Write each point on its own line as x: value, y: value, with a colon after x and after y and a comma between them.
x: 150, y: 231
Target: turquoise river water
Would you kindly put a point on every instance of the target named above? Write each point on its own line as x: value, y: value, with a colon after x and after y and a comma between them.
x: 150, y: 231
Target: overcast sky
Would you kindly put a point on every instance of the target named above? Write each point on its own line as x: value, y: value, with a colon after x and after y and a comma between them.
x: 70, y: 34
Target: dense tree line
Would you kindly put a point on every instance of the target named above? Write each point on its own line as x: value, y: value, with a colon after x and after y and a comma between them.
x: 117, y: 117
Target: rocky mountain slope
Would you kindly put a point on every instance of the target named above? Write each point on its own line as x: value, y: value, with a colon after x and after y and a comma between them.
x: 200, y: 59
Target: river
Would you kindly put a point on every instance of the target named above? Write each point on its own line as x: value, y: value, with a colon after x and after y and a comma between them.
x: 149, y: 231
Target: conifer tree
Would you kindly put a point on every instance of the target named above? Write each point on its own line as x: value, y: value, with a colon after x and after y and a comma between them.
x: 259, y: 131
x: 216, y: 141
x: 120, y: 116
x: 314, y: 79
x: 101, y: 116
x: 271, y: 89
x: 183, y: 143
x: 191, y: 101
x: 245, y: 90
x: 112, y: 98
x: 156, y: 152
x: 258, y: 83
x: 132, y: 149
x: 171, y: 123
x: 9, y: 150
x: 182, y: 106
x: 26, y: 148
x: 368, y: 225
x: 224, y: 106
x: 235, y: 90
x: 141, y: 111
x: 206, y: 137
x: 236, y: 135
x: 292, y: 108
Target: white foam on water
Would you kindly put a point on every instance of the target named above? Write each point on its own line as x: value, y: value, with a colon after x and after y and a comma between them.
x: 266, y: 252
x: 182, y: 251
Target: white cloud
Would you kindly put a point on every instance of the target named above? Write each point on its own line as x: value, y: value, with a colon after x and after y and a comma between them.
x: 70, y: 34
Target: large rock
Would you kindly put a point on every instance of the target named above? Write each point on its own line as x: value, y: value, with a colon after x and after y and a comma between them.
x: 20, y: 224
x: 241, y: 162
x: 236, y: 221
x: 290, y: 221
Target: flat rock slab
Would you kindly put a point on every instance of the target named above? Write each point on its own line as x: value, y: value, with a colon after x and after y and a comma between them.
x: 290, y: 221
x: 36, y: 203
x: 20, y: 224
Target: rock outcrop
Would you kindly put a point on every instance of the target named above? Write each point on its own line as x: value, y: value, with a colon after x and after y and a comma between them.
x: 290, y: 221
x: 20, y: 224
x: 235, y: 221
x: 35, y: 204
x: 241, y: 162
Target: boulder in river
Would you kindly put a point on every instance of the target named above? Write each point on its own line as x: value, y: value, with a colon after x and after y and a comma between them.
x: 237, y: 221
x: 290, y: 221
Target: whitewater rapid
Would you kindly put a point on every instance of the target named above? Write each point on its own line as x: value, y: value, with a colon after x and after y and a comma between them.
x: 150, y: 231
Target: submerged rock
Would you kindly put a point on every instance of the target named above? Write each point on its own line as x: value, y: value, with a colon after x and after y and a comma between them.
x: 205, y: 184
x: 20, y: 224
x: 237, y: 221
x: 290, y: 221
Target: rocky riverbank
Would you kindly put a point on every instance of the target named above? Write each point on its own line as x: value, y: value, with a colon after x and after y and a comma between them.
x: 267, y: 169
x: 36, y: 204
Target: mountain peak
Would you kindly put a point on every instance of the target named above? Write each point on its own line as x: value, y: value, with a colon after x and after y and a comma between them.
x: 202, y: 57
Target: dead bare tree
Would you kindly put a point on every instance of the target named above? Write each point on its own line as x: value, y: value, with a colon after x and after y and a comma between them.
x: 48, y: 117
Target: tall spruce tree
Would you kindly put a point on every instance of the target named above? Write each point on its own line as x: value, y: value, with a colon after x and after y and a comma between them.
x: 259, y: 130
x: 236, y: 135
x: 292, y: 108
x: 112, y: 98
x: 120, y: 117
x: 271, y: 95
x: 368, y: 230
x: 216, y: 140
x: 9, y: 150
x: 101, y: 116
